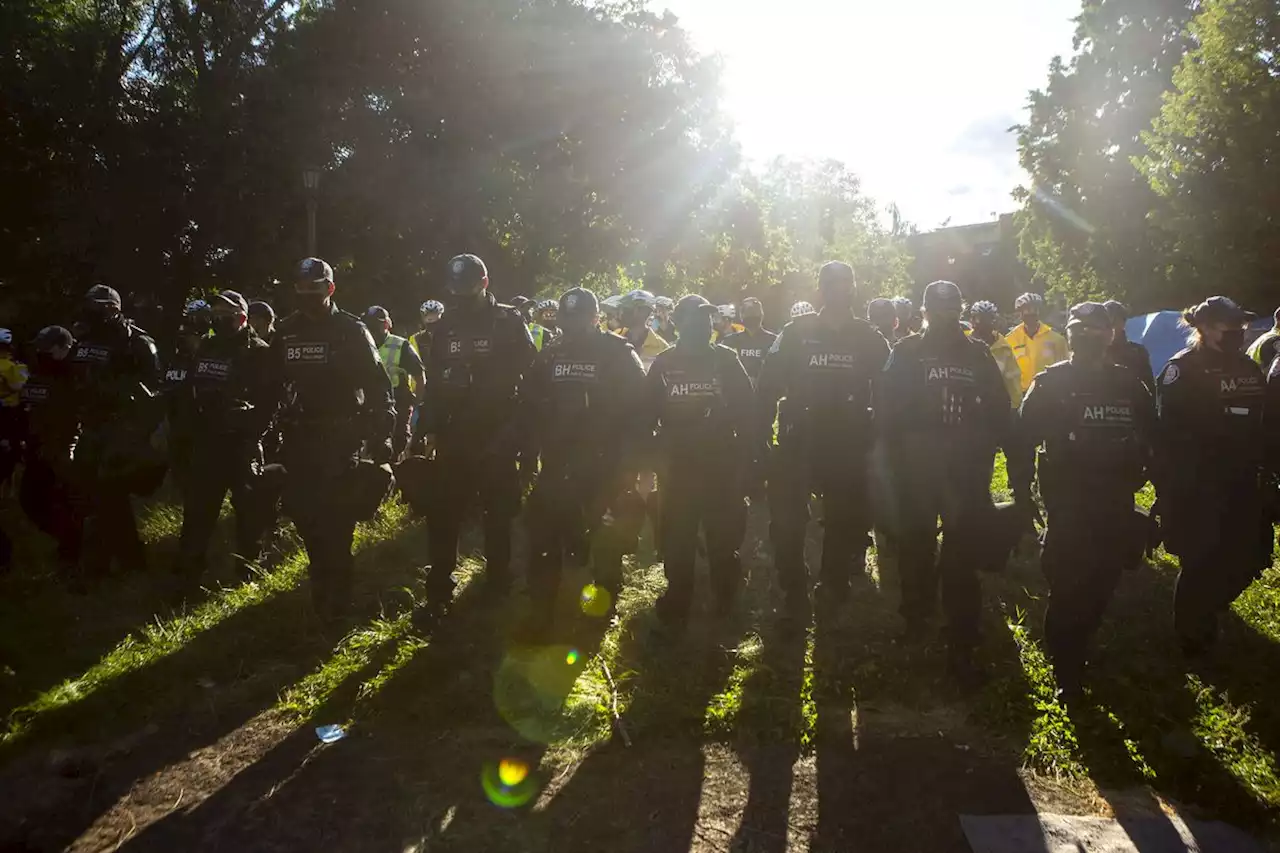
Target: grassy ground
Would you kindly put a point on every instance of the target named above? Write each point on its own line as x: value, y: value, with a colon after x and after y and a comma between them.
x: 130, y: 726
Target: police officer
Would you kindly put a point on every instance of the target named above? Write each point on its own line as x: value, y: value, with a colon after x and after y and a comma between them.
x: 194, y: 328
x: 233, y: 391
x: 943, y: 410
x: 700, y: 398
x: 883, y: 315
x: 754, y: 341
x: 262, y: 319
x: 479, y: 354
x: 1209, y: 454
x: 1129, y: 353
x: 824, y: 365
x: 584, y: 395
x: 1095, y: 420
x: 337, y: 396
x: 115, y: 369
x: 50, y: 424
x: 404, y: 369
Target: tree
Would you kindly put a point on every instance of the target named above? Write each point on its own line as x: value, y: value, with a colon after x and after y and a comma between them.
x: 1085, y: 229
x: 1213, y: 150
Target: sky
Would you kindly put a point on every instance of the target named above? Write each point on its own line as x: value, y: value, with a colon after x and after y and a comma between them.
x: 915, y: 96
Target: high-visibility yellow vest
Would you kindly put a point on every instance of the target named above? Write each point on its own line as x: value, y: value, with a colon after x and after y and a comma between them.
x: 1035, y: 354
x: 539, y: 335
x: 389, y: 351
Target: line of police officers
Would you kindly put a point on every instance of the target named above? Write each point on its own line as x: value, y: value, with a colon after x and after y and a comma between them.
x: 935, y: 405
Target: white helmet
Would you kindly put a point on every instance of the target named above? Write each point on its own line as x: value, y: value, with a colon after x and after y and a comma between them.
x: 1028, y: 299
x: 800, y: 309
x: 727, y: 311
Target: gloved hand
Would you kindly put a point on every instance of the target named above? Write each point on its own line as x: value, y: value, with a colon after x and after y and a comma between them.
x: 380, y: 451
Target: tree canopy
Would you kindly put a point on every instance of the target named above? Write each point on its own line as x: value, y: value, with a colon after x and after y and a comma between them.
x: 158, y: 146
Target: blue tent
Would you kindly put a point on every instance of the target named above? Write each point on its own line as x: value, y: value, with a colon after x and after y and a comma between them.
x: 1163, y: 338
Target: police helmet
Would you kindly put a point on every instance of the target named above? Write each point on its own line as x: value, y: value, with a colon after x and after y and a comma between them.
x: 577, y: 302
x: 261, y: 309
x: 467, y: 276
x: 881, y: 313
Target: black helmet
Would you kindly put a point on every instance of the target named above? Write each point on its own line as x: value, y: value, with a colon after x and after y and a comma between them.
x: 578, y: 302
x: 468, y: 276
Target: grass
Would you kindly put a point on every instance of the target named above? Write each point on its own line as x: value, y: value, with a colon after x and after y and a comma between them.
x: 1206, y: 735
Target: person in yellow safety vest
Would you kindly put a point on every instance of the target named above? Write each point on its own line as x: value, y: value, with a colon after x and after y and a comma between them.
x: 635, y: 309
x: 404, y: 369
x: 1035, y: 345
x: 984, y: 316
x: 1265, y: 349
x: 723, y: 325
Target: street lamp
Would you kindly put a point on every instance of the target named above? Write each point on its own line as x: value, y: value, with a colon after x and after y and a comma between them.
x: 311, y: 182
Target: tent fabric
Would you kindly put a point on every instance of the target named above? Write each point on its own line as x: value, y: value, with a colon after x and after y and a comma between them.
x: 1161, y: 334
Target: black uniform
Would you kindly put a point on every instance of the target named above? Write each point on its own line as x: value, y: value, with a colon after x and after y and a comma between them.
x: 825, y: 370
x: 337, y: 396
x: 701, y: 399
x: 1210, y: 451
x: 584, y: 397
x: 115, y: 369
x: 1096, y: 424
x: 1134, y: 356
x: 474, y: 368
x: 943, y: 410
x: 50, y: 425
x: 751, y: 347
x: 232, y: 392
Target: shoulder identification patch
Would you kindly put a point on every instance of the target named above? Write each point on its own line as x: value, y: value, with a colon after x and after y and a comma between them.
x: 1171, y: 374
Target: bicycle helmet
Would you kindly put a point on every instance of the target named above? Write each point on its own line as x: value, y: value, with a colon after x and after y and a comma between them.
x: 801, y: 308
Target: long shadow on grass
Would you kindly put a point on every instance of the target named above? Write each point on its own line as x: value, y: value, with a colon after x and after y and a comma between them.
x: 49, y: 633
x: 409, y: 770
x: 646, y: 796
x: 1142, y: 678
x: 769, y: 732
x: 894, y: 764
x: 151, y: 717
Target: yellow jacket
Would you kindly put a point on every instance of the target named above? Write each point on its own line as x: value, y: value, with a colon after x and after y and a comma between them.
x: 1009, y: 369
x: 1034, y: 354
x: 13, y: 375
x: 648, y: 351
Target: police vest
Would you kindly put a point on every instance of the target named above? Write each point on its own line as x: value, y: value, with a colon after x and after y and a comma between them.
x: 539, y: 335
x: 389, y: 352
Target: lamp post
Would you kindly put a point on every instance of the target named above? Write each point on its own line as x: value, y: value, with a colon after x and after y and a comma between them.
x: 311, y: 182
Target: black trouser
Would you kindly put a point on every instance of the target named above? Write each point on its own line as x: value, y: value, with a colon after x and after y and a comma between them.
x: 958, y: 491
x: 468, y: 476
x: 110, y: 528
x: 1223, y: 546
x: 1087, y: 544
x: 704, y: 494
x: 49, y: 502
x: 566, y: 521
x: 839, y: 476
x: 213, y: 470
x: 315, y: 497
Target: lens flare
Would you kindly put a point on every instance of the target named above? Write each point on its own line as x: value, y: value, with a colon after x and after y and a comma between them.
x: 596, y: 600
x: 530, y: 687
x: 508, y: 783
